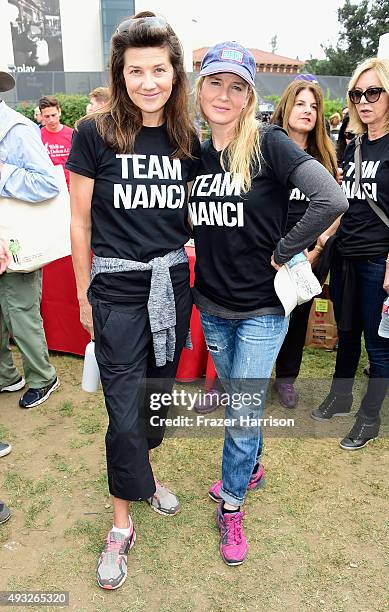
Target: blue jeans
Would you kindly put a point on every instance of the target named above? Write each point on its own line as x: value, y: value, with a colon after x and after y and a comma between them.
x: 244, y: 352
x: 366, y: 318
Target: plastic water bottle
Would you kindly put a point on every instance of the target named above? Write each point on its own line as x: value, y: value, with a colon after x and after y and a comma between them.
x: 91, y: 373
x: 383, y: 329
x: 297, y: 259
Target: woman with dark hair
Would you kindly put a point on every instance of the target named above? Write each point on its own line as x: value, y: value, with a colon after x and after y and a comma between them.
x: 345, y: 137
x: 238, y: 205
x: 360, y: 268
x: 130, y: 165
x: 300, y: 112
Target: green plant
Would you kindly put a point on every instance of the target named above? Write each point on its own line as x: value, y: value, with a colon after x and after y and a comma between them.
x: 332, y: 106
x: 273, y: 99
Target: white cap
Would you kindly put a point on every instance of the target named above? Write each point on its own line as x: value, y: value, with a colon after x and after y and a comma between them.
x: 296, y: 285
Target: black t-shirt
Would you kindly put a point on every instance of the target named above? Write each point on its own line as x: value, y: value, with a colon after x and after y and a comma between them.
x: 139, y: 202
x: 235, y: 235
x: 362, y: 234
x: 298, y: 204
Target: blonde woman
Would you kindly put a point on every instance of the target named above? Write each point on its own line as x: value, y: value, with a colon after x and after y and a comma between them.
x: 239, y: 204
x: 360, y: 269
x: 300, y: 112
x: 335, y: 122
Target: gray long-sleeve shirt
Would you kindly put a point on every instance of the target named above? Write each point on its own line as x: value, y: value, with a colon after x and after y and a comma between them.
x: 327, y: 203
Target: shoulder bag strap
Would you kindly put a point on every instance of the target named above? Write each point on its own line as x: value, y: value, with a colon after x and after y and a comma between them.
x: 358, y: 175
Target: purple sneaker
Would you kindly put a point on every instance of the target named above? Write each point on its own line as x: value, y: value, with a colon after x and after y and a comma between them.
x: 233, y: 544
x: 287, y: 394
x: 257, y: 480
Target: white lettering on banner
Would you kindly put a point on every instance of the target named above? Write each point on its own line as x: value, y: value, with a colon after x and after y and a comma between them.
x: 161, y: 196
x: 229, y: 214
x: 146, y: 167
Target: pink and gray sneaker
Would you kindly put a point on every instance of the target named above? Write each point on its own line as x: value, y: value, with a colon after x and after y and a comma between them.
x: 257, y: 480
x: 233, y: 544
x: 112, y: 563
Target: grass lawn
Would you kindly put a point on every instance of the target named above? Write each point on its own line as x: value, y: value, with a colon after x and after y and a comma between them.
x: 318, y: 531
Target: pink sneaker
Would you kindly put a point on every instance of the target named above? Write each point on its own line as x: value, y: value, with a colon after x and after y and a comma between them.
x: 257, y: 480
x: 233, y: 544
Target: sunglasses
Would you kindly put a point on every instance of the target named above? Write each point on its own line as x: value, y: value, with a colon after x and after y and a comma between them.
x: 349, y: 135
x: 151, y: 22
x: 372, y: 94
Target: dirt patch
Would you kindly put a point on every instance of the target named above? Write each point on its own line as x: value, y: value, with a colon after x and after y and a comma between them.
x: 317, y: 531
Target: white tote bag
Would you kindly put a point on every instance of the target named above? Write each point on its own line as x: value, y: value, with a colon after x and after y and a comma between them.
x: 36, y: 233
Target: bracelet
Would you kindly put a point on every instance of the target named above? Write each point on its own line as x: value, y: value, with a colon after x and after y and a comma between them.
x: 387, y: 260
x: 318, y: 248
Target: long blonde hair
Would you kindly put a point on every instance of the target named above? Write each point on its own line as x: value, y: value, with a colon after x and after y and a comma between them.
x: 243, y: 154
x: 320, y: 145
x: 381, y: 66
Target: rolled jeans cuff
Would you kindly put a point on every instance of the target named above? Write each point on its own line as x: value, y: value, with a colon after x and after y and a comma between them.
x: 228, y: 498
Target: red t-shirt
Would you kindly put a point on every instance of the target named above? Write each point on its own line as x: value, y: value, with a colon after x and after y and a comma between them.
x: 58, y: 146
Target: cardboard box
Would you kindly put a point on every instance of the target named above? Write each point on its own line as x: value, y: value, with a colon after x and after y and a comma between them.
x: 321, y: 330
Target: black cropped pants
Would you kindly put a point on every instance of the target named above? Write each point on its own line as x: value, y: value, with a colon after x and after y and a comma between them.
x: 125, y: 355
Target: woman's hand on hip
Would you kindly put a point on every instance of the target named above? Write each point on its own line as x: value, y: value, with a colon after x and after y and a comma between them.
x: 274, y: 264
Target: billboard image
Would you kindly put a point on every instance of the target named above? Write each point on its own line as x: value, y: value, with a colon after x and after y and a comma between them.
x: 36, y: 35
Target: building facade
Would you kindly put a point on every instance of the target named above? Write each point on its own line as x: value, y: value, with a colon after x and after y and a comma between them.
x: 265, y: 62
x: 55, y: 46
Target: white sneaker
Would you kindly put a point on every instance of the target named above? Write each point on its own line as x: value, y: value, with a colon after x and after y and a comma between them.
x: 16, y: 386
x: 5, y: 449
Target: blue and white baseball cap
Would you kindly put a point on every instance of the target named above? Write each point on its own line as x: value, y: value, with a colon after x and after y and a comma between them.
x: 229, y: 56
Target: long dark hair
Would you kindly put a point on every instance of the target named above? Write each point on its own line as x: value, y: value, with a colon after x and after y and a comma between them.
x: 120, y: 122
x: 342, y: 144
x: 319, y: 143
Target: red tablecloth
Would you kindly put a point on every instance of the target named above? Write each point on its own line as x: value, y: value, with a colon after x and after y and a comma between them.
x: 64, y: 331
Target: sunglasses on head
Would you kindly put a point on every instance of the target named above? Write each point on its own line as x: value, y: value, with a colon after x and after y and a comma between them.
x: 349, y: 135
x: 151, y: 22
x: 372, y: 94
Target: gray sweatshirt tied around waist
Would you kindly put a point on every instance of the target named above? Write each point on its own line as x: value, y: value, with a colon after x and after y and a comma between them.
x: 161, y: 305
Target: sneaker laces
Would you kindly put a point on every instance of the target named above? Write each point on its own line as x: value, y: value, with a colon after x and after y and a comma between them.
x: 234, y: 527
x: 112, y: 547
x: 289, y: 387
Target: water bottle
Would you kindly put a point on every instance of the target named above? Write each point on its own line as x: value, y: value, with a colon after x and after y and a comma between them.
x: 91, y: 373
x: 297, y: 259
x: 305, y: 282
x: 383, y: 329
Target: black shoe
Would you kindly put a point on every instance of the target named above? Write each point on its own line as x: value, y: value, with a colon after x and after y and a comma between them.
x: 361, y: 434
x: 333, y: 405
x: 4, y: 512
x: 34, y: 397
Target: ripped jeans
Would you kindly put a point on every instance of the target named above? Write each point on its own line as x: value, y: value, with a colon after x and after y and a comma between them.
x: 244, y: 352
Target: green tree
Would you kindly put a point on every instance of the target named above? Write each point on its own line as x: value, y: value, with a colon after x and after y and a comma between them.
x: 361, y: 27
